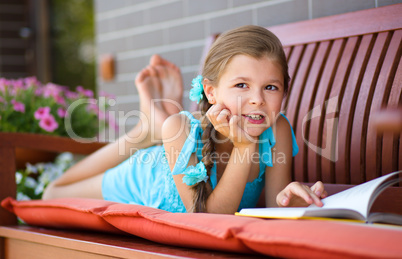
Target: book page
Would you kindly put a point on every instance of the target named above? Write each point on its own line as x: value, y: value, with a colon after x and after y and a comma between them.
x: 291, y: 213
x: 300, y: 212
x: 388, y: 218
x: 356, y: 198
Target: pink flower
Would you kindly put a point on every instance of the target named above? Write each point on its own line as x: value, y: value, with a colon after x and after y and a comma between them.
x: 38, y: 91
x: 71, y: 95
x: 4, y: 83
x: 89, y: 93
x: 60, y: 100
x: 61, y: 112
x: 85, y: 92
x: 42, y: 112
x: 48, y: 123
x: 31, y: 81
x: 19, y: 107
x: 18, y: 84
x: 51, y: 89
x: 93, y: 106
x: 1, y: 99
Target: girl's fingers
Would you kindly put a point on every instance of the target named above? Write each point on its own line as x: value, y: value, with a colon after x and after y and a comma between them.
x: 291, y: 192
x: 223, y: 116
x: 319, y: 190
x: 233, y: 126
x: 313, y: 198
x: 222, y: 122
x: 316, y: 199
x: 296, y: 190
x: 304, y: 192
x: 214, y: 112
x: 219, y: 116
x: 210, y: 112
x: 282, y: 199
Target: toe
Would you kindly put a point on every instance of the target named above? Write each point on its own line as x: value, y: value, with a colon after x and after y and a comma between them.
x: 156, y: 60
x: 152, y: 71
x: 142, y: 75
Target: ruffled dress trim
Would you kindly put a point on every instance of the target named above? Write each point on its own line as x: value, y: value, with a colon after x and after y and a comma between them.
x: 173, y: 201
x: 190, y: 145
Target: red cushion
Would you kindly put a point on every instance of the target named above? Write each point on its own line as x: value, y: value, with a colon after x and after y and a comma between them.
x: 62, y: 213
x: 282, y: 238
x: 198, y: 230
x: 322, y: 239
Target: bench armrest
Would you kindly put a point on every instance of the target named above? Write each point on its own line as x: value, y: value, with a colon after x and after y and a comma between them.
x: 11, y: 141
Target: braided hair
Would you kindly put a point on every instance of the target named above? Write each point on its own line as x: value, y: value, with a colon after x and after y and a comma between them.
x: 250, y: 40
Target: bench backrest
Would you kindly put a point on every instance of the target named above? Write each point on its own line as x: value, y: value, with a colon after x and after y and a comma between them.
x: 343, y: 69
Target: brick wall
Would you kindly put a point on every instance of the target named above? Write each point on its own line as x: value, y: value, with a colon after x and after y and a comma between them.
x: 13, y: 17
x: 133, y: 30
x: 24, y: 39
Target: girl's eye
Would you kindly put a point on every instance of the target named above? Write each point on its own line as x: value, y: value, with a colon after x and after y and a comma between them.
x: 271, y: 87
x: 241, y: 85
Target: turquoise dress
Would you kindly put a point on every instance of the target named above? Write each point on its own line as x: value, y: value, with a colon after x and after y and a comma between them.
x: 146, y: 179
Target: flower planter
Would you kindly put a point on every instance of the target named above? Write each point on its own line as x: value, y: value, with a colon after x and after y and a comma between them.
x: 26, y: 105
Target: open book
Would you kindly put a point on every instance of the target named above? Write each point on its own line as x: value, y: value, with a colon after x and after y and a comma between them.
x: 354, y: 203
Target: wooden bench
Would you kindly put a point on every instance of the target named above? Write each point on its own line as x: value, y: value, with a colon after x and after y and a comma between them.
x: 344, y: 69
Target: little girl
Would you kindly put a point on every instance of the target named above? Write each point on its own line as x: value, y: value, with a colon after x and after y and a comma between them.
x: 217, y: 164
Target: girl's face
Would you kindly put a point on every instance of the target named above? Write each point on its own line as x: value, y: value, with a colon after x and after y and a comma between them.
x: 253, y: 89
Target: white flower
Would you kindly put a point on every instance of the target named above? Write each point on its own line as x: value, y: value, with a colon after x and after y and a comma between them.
x: 46, y: 173
x: 18, y: 177
x: 51, y: 172
x: 39, y: 189
x: 22, y: 197
x: 40, y: 166
x: 64, y: 159
x: 31, y: 168
x: 30, y: 182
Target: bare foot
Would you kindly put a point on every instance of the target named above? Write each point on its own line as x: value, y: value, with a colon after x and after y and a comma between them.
x: 150, y: 90
x: 172, y: 84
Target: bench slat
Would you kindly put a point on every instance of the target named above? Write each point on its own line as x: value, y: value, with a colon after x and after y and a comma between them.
x: 294, y: 58
x: 397, y: 93
x: 345, y: 101
x: 340, y: 26
x: 308, y: 96
x: 382, y: 90
x: 346, y: 109
x: 361, y: 114
x: 300, y: 85
x: 346, y: 52
x: 52, y: 243
x: 312, y: 125
x: 318, y: 125
x: 391, y: 140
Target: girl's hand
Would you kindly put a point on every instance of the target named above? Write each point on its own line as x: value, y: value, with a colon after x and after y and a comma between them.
x: 228, y: 125
x: 298, y: 195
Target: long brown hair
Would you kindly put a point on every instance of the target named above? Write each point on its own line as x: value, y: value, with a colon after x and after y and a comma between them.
x: 248, y: 40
